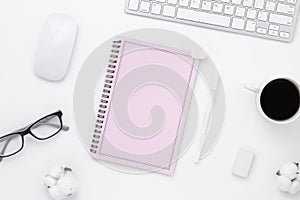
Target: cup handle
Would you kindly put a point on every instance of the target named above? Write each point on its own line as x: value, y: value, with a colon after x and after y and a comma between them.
x: 251, y: 88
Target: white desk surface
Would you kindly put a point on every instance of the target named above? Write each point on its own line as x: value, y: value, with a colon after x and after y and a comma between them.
x: 240, y: 59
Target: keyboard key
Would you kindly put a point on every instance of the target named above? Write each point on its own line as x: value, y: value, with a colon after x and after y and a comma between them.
x: 261, y: 30
x: 145, y: 6
x: 273, y: 33
x: 169, y: 11
x: 237, y: 2
x: 203, y: 17
x: 286, y: 9
x: 259, y: 4
x: 184, y: 3
x: 133, y: 5
x: 156, y: 8
x: 284, y: 35
x: 274, y: 27
x: 225, y: 1
x: 172, y: 2
x: 292, y: 1
x: 206, y: 5
x: 240, y: 11
x: 281, y: 19
x: 250, y: 26
x: 251, y: 13
x: 217, y: 7
x: 262, y: 16
x: 195, y: 4
x: 229, y: 10
x: 238, y: 23
x: 270, y: 5
x: 248, y: 3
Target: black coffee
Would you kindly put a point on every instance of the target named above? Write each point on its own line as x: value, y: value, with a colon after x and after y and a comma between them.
x: 280, y: 99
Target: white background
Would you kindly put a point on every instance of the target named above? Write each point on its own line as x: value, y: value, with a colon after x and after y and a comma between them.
x: 240, y: 59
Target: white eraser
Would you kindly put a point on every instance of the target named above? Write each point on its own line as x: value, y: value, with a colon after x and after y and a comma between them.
x: 243, y: 163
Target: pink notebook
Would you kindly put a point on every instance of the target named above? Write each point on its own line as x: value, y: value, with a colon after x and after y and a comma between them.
x: 143, y: 106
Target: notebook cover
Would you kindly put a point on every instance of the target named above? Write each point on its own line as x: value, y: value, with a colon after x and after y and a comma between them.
x: 144, y: 105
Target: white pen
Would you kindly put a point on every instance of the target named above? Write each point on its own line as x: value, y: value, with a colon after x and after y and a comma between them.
x: 207, y: 121
x: 204, y: 130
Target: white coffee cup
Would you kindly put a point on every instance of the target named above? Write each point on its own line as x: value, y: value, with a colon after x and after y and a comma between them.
x: 258, y: 91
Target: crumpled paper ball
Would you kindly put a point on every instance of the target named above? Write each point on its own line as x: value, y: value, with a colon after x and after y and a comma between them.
x: 288, y: 178
x: 60, y: 182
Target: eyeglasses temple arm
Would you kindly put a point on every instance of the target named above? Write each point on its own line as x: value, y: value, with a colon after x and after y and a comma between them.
x: 65, y: 128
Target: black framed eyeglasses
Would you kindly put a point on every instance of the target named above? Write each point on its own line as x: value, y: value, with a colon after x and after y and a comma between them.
x: 42, y: 129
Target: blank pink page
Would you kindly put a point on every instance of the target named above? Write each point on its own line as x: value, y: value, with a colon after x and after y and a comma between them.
x: 148, y: 106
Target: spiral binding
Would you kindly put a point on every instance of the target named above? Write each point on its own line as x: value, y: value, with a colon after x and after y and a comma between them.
x: 106, y: 93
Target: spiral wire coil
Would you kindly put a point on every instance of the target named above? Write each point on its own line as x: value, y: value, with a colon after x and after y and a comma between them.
x: 106, y: 94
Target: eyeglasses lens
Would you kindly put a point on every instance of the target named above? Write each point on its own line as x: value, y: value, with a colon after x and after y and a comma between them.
x: 10, y: 144
x: 46, y: 127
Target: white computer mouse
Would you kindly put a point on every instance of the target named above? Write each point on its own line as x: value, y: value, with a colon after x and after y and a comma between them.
x: 55, y: 47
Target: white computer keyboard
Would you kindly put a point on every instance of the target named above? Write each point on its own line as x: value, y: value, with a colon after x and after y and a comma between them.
x: 273, y: 19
